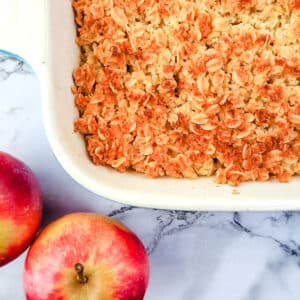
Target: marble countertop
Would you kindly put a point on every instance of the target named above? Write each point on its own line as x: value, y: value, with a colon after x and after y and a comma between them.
x: 193, y: 255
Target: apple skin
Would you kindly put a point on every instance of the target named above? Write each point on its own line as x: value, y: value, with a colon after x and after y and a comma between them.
x: 20, y: 207
x: 115, y: 261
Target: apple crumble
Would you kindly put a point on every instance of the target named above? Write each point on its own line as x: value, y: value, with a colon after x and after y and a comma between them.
x: 189, y: 88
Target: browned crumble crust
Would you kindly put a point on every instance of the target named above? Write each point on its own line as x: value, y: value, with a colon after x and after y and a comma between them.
x: 191, y: 88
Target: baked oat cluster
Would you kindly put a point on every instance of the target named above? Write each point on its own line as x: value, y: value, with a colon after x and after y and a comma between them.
x: 191, y: 88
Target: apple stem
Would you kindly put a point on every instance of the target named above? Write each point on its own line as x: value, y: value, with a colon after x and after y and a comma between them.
x: 79, y: 268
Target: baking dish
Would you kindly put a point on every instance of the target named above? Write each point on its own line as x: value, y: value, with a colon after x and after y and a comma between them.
x: 43, y: 33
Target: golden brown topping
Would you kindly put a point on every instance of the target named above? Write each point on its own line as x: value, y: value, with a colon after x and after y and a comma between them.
x: 190, y: 88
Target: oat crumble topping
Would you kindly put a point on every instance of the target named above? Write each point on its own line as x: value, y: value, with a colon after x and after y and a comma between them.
x: 189, y: 88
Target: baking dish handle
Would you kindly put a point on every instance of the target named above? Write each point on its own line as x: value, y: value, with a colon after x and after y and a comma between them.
x: 23, y: 30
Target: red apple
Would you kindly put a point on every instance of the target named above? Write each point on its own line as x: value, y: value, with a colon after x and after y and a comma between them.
x: 20, y: 207
x: 86, y: 256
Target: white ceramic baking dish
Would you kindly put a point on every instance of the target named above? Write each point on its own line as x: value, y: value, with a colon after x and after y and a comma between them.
x: 43, y: 32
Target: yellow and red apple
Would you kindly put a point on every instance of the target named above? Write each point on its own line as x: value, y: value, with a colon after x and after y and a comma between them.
x: 86, y: 256
x: 20, y: 207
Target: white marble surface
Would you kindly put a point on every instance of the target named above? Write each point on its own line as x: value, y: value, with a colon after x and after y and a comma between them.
x: 193, y: 255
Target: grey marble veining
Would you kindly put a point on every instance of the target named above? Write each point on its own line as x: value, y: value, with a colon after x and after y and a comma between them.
x: 193, y: 255
x: 9, y: 66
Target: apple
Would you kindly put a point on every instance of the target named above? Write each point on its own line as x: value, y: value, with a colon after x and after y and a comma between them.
x: 20, y: 207
x: 86, y: 256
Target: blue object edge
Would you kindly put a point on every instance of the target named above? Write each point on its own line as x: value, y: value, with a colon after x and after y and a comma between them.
x: 16, y: 56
